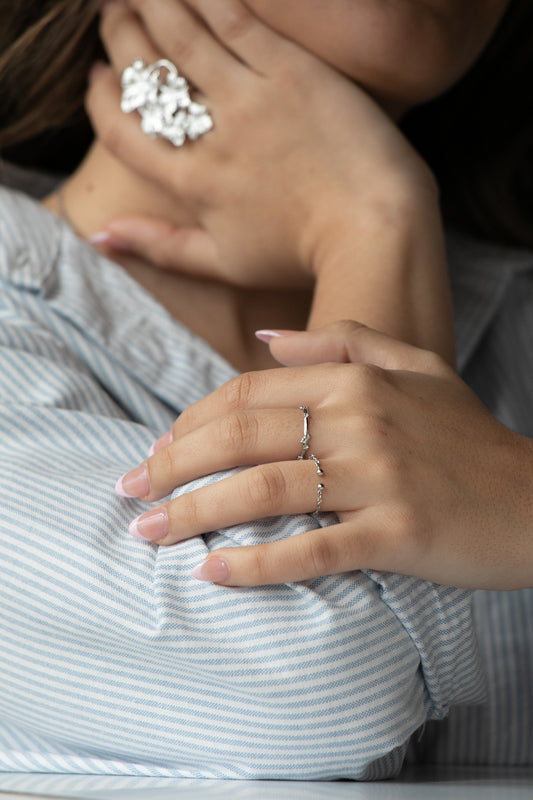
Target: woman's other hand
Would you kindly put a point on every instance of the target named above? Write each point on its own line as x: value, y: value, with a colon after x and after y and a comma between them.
x: 423, y: 479
x: 298, y: 161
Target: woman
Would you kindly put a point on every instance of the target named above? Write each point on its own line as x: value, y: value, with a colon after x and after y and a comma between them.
x: 114, y: 658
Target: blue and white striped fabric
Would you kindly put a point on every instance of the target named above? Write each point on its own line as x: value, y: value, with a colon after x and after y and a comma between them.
x: 114, y: 660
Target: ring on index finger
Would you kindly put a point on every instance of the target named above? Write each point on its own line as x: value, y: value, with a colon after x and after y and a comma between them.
x: 165, y: 105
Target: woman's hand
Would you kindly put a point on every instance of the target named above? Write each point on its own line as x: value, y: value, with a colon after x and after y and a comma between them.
x: 423, y: 479
x: 299, y: 160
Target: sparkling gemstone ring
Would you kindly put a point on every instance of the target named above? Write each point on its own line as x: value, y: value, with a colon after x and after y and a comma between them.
x: 165, y: 105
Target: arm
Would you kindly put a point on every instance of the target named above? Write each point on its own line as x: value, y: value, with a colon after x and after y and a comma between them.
x: 114, y: 659
x: 348, y: 206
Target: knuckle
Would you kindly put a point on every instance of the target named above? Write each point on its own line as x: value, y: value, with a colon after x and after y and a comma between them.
x: 161, y: 467
x: 389, y: 469
x: 238, y: 392
x: 237, y: 23
x: 266, y: 488
x: 318, y: 555
x: 362, y: 382
x: 237, y: 432
x: 181, y: 47
x: 347, y: 327
x: 189, y: 510
x: 433, y: 363
x: 259, y: 568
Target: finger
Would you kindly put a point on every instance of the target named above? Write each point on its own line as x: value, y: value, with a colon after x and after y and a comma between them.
x: 188, y: 250
x: 274, y: 389
x: 239, y: 439
x: 122, y: 135
x: 352, y: 342
x: 256, y: 493
x: 182, y: 37
x: 245, y: 34
x: 325, y: 551
x: 124, y: 37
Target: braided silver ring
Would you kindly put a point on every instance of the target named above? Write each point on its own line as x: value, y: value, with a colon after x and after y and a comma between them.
x: 320, y: 487
x: 304, y: 441
x: 165, y: 105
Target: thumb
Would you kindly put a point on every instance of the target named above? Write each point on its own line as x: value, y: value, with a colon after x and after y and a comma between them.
x: 163, y: 244
x: 350, y: 342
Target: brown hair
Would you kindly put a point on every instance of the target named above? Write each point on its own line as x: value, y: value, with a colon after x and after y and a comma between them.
x: 46, y: 50
x: 478, y: 138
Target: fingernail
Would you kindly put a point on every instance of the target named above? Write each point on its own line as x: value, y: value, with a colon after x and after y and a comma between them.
x: 152, y: 526
x: 110, y: 240
x: 215, y: 570
x: 267, y: 335
x: 135, y: 483
x: 163, y: 441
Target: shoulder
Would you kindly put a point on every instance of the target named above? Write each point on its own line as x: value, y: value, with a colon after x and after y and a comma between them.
x: 29, y: 241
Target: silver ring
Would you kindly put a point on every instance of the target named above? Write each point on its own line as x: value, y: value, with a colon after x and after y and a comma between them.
x: 165, y: 105
x: 320, y: 487
x: 304, y: 441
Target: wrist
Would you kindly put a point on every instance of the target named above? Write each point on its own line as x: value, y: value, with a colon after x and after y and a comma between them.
x: 390, y: 211
x: 384, y: 264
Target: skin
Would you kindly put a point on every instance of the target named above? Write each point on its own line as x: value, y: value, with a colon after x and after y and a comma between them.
x: 400, y: 517
x: 404, y: 52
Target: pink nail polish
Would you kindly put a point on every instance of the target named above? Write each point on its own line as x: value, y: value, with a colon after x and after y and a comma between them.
x: 152, y: 526
x: 213, y: 569
x: 163, y: 441
x: 109, y: 240
x: 99, y: 238
x: 135, y: 483
x: 267, y: 335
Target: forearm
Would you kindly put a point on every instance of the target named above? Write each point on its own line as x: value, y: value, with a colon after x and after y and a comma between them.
x: 386, y: 267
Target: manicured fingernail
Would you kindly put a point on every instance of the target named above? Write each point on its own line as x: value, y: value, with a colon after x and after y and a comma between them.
x: 215, y: 570
x: 163, y: 441
x: 109, y: 240
x: 151, y: 526
x: 267, y: 335
x: 135, y: 483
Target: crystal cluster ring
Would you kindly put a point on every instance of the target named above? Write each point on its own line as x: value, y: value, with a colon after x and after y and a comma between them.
x: 165, y: 105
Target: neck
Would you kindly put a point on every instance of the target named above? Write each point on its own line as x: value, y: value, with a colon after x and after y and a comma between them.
x: 223, y: 314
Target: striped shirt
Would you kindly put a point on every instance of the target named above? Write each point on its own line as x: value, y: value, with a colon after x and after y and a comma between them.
x: 114, y: 659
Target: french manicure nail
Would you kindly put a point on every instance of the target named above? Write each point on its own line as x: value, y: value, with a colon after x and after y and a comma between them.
x: 215, y: 570
x: 163, y: 441
x: 152, y: 526
x: 135, y: 483
x: 267, y: 335
x: 109, y: 240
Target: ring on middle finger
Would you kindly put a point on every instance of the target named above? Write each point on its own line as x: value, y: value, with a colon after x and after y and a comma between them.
x: 165, y: 106
x: 320, y: 486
